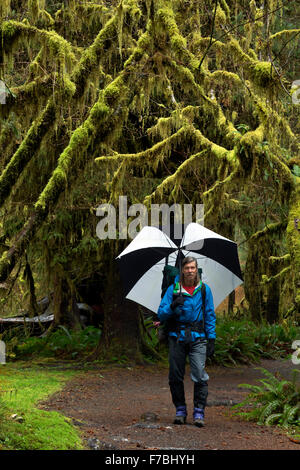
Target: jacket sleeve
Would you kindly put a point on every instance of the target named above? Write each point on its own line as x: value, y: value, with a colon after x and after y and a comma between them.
x: 164, y: 310
x: 210, y: 316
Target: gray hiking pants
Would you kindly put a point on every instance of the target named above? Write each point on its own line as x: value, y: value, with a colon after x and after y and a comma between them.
x: 178, y: 351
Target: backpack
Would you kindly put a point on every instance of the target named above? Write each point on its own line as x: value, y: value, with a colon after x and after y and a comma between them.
x: 169, y: 275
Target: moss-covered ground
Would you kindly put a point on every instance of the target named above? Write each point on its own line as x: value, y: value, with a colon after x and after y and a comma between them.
x: 23, y: 426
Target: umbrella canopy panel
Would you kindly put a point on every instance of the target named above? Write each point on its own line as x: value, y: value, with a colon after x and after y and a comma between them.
x: 220, y: 279
x: 205, y: 242
x: 148, y: 248
x: 133, y: 266
x: 143, y: 261
x: 147, y: 290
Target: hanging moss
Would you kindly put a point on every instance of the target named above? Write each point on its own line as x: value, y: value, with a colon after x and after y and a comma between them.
x: 293, y: 239
x: 56, y: 47
x: 5, y: 8
x: 24, y: 152
x: 36, y: 132
x: 83, y: 136
x: 286, y: 34
x: 225, y: 8
x: 91, y: 56
x: 175, y: 180
x: 34, y: 9
x: 121, y: 82
x: 263, y: 73
x: 153, y: 155
x: 220, y: 17
x: 165, y: 18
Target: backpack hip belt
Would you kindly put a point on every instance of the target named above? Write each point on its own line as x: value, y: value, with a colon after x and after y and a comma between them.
x: 196, y: 326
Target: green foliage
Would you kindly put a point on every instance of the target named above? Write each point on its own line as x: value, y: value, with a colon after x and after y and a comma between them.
x: 275, y: 401
x: 62, y: 343
x: 243, y: 128
x: 151, y: 336
x: 276, y: 339
x: 152, y: 95
x: 37, y: 429
x: 235, y: 343
x: 242, y: 341
x: 3, y: 409
x: 296, y: 170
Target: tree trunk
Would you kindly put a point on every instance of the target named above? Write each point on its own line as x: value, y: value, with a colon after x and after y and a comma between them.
x: 252, y: 278
x: 293, y: 239
x: 231, y: 301
x: 121, y: 330
x: 33, y: 309
x: 273, y: 296
x: 272, y: 304
x: 66, y: 311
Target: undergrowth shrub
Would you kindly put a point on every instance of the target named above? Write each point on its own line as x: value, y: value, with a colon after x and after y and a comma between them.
x: 243, y: 341
x: 60, y: 343
x: 275, y: 401
x: 238, y: 341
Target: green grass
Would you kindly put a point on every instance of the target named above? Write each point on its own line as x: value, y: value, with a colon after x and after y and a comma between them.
x: 21, y: 391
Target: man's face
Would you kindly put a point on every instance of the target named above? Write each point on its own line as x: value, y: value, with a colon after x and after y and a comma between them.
x: 190, y: 271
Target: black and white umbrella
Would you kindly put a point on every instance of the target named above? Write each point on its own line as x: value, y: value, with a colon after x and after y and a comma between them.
x: 143, y: 261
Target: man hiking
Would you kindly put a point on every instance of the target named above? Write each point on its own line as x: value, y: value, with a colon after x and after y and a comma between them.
x: 191, y: 326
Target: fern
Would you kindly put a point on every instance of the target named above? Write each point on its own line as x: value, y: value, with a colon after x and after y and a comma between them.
x: 267, y: 411
x: 275, y: 401
x: 272, y: 419
x: 289, y: 415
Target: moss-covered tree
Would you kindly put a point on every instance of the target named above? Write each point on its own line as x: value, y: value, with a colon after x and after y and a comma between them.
x: 183, y: 101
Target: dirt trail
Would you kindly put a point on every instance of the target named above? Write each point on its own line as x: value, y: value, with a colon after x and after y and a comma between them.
x: 130, y: 408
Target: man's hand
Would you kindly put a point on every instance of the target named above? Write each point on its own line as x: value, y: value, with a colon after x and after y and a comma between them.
x: 178, y: 302
x: 210, y: 348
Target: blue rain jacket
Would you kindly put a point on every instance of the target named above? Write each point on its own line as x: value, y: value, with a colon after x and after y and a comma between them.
x: 189, y: 311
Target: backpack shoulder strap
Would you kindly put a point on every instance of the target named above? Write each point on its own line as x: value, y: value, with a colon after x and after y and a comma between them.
x: 203, y: 292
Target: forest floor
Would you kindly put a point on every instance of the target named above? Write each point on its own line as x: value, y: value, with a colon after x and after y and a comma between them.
x: 130, y: 407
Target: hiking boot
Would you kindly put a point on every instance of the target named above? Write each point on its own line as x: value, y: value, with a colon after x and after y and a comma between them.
x: 181, y: 414
x: 198, y: 416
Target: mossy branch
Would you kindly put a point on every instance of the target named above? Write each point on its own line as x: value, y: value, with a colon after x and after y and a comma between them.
x: 268, y: 280
x: 25, y: 151
x: 280, y: 259
x: 286, y: 33
x: 103, y: 115
x: 175, y: 179
x: 165, y: 19
x: 33, y: 90
x: 276, y: 227
x: 150, y: 156
x: 293, y: 239
x: 47, y: 118
x: 55, y: 46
